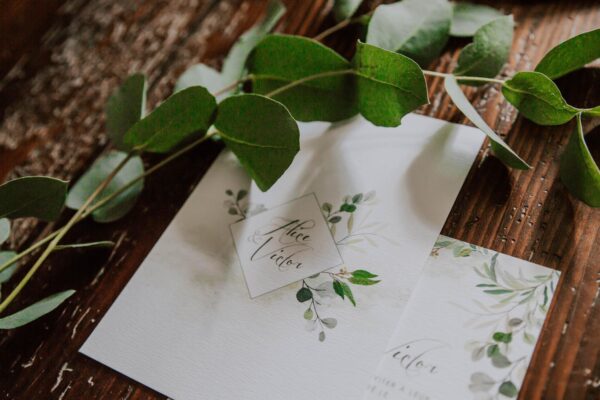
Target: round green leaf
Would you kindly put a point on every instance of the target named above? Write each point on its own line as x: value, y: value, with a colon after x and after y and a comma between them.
x: 304, y: 294
x: 94, y: 176
x: 579, y: 171
x: 34, y: 311
x: 261, y: 133
x: 179, y: 117
x: 467, y: 18
x: 416, y: 28
x: 125, y: 107
x: 7, y: 273
x: 390, y: 85
x: 4, y: 230
x: 33, y: 196
x: 508, y: 389
x: 538, y: 99
x: 499, y: 147
x: 571, y: 55
x: 489, y: 51
x: 281, y: 59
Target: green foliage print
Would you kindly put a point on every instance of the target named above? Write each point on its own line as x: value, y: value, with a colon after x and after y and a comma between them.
x: 519, y: 306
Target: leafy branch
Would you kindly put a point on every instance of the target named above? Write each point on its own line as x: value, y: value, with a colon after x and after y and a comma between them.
x: 291, y: 79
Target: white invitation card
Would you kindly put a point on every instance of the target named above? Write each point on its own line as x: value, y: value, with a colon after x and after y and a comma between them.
x: 469, y: 329
x: 293, y: 293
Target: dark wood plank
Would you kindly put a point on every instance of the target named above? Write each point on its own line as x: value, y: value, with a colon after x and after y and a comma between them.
x: 52, y: 123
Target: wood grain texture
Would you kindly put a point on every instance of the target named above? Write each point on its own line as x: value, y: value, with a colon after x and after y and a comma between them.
x: 52, y: 122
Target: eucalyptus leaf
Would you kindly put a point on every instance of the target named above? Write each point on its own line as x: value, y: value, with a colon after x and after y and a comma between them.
x: 281, y: 59
x: 98, y: 172
x: 179, y: 117
x: 234, y: 64
x: 4, y: 229
x: 579, y: 171
x: 125, y: 107
x: 467, y: 18
x: 34, y: 311
x: 8, y: 272
x: 389, y: 85
x: 201, y: 75
x: 329, y: 322
x: 304, y: 294
x: 499, y: 147
x: 538, y: 99
x: 508, y: 389
x: 571, y: 55
x: 42, y: 197
x: 489, y: 51
x: 344, y: 9
x: 416, y: 28
x: 261, y: 133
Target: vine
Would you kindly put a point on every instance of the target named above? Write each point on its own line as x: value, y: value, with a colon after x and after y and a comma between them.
x: 291, y: 79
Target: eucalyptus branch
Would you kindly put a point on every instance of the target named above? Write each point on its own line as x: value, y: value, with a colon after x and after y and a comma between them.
x: 233, y: 85
x: 309, y: 78
x: 465, y: 78
x: 61, y: 233
x: 341, y: 25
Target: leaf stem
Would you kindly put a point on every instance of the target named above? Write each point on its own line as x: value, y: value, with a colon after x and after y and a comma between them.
x: 469, y: 78
x: 106, y: 199
x: 233, y: 85
x: 61, y: 233
x: 341, y: 25
x: 297, y: 82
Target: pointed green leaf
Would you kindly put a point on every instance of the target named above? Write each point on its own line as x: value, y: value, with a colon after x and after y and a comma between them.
x: 361, y: 273
x: 571, y: 55
x: 348, y: 293
x: 579, y: 171
x: 499, y: 147
x: 344, y: 9
x: 182, y: 115
x: 281, y: 59
x: 201, y: 75
x: 591, y: 112
x: 489, y: 51
x: 467, y: 18
x: 338, y: 289
x: 42, y: 197
x: 234, y: 64
x: 261, y: 133
x: 362, y: 281
x: 102, y: 167
x: 416, y: 28
x: 538, y: 99
x: 4, y: 229
x: 389, y: 85
x: 125, y: 107
x: 34, y: 311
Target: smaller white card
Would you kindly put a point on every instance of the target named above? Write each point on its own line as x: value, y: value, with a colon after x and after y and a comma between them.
x: 284, y: 245
x: 469, y: 329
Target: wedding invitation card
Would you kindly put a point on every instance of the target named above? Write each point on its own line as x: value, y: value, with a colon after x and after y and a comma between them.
x: 293, y: 293
x: 469, y: 329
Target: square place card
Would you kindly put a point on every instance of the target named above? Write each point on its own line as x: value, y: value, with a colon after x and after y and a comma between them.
x: 185, y: 325
x: 469, y: 329
x: 284, y: 245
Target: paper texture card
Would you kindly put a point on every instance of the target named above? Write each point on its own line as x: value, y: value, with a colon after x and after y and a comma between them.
x: 284, y: 245
x: 469, y: 329
x: 185, y: 324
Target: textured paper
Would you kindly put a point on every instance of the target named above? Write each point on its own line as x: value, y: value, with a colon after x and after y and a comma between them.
x: 469, y: 329
x: 185, y: 325
x: 284, y: 244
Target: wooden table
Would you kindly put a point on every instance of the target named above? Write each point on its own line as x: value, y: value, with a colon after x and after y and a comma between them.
x: 52, y: 123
